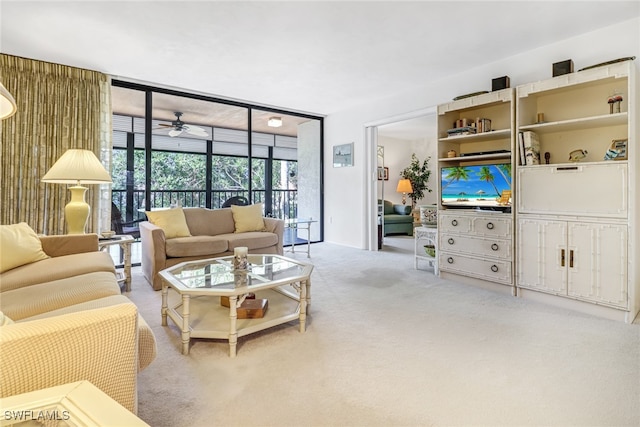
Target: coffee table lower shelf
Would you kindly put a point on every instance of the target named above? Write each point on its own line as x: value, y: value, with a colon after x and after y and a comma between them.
x: 203, y: 316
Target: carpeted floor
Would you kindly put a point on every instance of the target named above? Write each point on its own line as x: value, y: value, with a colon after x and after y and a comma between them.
x: 387, y: 345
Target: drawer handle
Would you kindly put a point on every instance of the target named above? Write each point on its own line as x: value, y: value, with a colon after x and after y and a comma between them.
x: 571, y: 258
x: 494, y: 247
x: 562, y: 257
x: 454, y: 222
x: 450, y: 241
x: 494, y: 268
x: 490, y: 225
x: 450, y: 260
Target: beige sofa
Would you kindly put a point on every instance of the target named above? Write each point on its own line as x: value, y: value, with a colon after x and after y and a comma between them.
x: 212, y: 235
x: 68, y: 322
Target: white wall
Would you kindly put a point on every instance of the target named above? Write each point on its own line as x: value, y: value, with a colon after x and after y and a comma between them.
x: 397, y: 156
x: 345, y: 204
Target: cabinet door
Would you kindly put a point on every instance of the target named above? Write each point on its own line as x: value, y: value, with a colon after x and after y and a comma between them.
x: 597, y: 268
x: 542, y: 255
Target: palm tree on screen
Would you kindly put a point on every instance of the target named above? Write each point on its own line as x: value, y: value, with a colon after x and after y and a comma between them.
x: 486, y: 175
x: 456, y: 174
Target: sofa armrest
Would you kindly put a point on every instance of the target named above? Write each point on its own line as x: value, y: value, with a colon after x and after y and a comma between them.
x: 153, y: 253
x: 276, y: 226
x: 402, y: 209
x: 96, y: 345
x: 68, y: 244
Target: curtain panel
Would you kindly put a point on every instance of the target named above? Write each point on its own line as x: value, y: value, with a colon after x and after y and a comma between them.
x: 59, y: 108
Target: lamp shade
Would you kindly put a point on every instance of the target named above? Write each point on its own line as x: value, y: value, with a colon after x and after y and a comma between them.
x: 404, y: 186
x: 7, y: 104
x: 77, y: 167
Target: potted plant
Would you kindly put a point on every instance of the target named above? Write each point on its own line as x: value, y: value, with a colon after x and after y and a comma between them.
x: 418, y: 173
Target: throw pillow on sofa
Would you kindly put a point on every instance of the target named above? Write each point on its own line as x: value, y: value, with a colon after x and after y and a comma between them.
x: 248, y: 218
x: 172, y: 221
x: 19, y: 245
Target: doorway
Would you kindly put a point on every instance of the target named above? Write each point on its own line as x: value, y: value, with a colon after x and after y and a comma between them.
x: 397, y: 137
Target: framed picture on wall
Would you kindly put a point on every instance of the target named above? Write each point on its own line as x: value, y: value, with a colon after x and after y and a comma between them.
x: 343, y: 155
x: 383, y: 174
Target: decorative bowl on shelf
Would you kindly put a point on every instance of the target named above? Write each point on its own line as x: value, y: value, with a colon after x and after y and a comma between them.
x: 430, y: 250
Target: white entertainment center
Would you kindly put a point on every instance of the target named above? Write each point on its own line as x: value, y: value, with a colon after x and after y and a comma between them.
x: 569, y: 235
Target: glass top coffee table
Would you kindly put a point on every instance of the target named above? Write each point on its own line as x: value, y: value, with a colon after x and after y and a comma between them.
x: 199, y: 288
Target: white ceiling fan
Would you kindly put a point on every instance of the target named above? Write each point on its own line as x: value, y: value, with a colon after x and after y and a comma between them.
x: 178, y: 126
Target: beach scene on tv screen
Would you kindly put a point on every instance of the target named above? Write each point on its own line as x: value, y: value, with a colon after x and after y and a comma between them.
x: 475, y: 185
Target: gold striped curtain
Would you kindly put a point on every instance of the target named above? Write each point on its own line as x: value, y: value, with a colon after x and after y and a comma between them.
x: 59, y: 108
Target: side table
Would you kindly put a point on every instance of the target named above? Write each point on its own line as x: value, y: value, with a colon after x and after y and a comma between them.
x: 124, y: 242
x: 426, y: 235
x: 293, y: 225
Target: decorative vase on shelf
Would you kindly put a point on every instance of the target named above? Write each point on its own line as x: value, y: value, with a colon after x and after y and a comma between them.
x: 429, y: 215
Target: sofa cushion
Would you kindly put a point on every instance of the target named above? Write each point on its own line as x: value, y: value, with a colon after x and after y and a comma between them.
x: 398, y: 219
x: 248, y: 218
x: 402, y: 209
x: 56, y: 268
x: 253, y: 240
x: 5, y: 320
x: 209, y: 222
x: 196, y: 246
x: 146, y: 339
x: 172, y: 222
x: 41, y: 298
x: 19, y: 245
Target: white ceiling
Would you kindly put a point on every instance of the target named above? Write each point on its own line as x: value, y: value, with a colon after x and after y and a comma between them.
x: 317, y: 57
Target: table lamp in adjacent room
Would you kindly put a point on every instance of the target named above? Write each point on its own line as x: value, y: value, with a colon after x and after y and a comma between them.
x: 77, y: 167
x: 404, y: 187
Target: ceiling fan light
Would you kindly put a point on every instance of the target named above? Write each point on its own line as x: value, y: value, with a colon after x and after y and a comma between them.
x: 274, y: 122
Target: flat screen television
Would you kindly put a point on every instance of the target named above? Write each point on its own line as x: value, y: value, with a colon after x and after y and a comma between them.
x: 477, y: 187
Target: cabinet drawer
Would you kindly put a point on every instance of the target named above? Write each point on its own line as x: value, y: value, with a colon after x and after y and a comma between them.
x: 454, y: 223
x: 492, y: 270
x: 492, y: 226
x: 586, y: 190
x: 487, y: 248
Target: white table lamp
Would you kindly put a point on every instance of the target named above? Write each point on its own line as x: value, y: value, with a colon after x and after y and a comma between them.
x: 7, y: 104
x: 77, y: 167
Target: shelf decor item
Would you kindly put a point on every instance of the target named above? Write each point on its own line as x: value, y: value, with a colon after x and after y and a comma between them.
x: 617, y: 150
x: 469, y: 95
x: 562, y: 67
x: 577, y: 155
x: 627, y: 58
x: 614, y: 100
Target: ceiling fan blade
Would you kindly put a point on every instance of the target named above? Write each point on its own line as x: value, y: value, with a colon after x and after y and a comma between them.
x: 198, y: 133
x: 174, y: 132
x: 196, y: 128
x: 165, y: 125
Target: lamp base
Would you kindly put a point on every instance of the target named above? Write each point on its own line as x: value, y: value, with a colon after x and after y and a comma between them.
x: 76, y: 212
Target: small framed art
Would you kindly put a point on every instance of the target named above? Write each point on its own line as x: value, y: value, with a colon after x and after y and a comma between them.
x: 383, y: 174
x: 343, y: 155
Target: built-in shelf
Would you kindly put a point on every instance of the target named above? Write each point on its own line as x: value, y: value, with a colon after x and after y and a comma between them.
x: 492, y: 156
x: 578, y: 124
x: 477, y: 137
